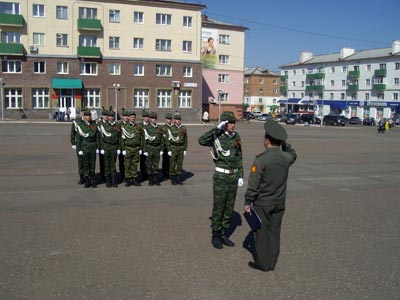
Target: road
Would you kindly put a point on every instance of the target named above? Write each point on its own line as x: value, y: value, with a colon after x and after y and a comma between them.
x: 340, y: 235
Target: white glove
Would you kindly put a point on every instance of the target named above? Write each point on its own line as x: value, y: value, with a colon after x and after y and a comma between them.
x: 123, y: 152
x: 140, y: 152
x: 146, y: 153
x: 222, y: 125
x: 240, y: 182
x: 161, y: 153
x: 80, y: 152
x: 184, y: 153
x: 102, y: 152
x: 97, y: 151
x: 169, y: 153
x: 74, y: 147
x: 118, y: 152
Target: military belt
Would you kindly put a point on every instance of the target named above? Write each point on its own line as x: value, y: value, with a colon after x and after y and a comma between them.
x: 85, y: 141
x: 226, y: 171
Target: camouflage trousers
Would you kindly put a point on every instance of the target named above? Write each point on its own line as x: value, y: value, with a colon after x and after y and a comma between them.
x: 88, y: 159
x: 176, y: 160
x: 131, y: 161
x: 153, y: 160
x: 224, y: 189
x: 110, y: 158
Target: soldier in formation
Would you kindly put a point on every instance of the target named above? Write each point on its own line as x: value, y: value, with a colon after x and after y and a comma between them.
x: 165, y: 156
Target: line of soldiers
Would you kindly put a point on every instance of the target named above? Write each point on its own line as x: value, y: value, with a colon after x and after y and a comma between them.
x: 136, y: 145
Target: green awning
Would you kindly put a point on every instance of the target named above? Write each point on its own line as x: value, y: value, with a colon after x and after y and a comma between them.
x: 91, y: 52
x: 11, y: 49
x: 89, y: 24
x: 66, y: 83
x: 11, y: 20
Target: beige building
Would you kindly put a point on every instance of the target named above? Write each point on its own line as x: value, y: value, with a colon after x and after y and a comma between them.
x: 70, y: 55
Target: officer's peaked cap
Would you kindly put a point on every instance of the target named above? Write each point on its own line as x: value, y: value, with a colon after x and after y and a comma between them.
x: 275, y: 130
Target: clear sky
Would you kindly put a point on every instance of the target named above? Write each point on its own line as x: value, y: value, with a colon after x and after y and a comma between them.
x: 279, y: 30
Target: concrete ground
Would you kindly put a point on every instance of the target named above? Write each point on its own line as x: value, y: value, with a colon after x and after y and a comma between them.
x: 340, y: 235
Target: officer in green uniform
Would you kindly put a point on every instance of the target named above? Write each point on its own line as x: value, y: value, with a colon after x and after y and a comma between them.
x: 104, y: 119
x: 177, y: 143
x: 121, y: 157
x: 74, y: 136
x: 131, y: 138
x: 110, y: 142
x: 227, y: 154
x: 143, y: 123
x: 87, y: 147
x: 266, y: 191
x: 153, y: 144
x: 165, y: 158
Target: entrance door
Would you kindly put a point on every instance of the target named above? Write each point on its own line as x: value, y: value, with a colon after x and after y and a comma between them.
x: 67, y: 102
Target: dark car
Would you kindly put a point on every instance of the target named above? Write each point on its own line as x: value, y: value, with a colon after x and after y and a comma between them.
x: 310, y: 119
x: 334, y: 120
x: 264, y: 117
x: 369, y: 121
x: 292, y: 119
x: 280, y: 118
x: 355, y: 121
x: 248, y: 115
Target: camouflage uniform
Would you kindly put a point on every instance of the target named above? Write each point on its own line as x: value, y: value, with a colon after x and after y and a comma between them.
x: 165, y: 157
x: 143, y: 124
x: 101, y: 156
x: 74, y: 136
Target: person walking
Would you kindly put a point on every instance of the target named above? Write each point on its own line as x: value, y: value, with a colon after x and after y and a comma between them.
x: 165, y: 157
x: 227, y: 155
x: 266, y: 192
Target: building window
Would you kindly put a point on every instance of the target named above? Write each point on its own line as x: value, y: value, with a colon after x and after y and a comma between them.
x: 342, y: 96
x: 274, y: 91
x: 332, y: 82
x: 141, y: 98
x: 223, y: 59
x: 223, y: 78
x: 138, y: 70
x: 366, y: 96
x: 187, y: 71
x: 301, y: 95
x: 382, y: 66
x: 381, y: 96
x: 163, y: 45
x: 368, y: 68
x: 9, y: 8
x: 62, y: 40
x: 164, y: 98
x: 395, y: 96
x: 38, y: 10
x: 88, y: 68
x: 87, y: 13
x: 396, y: 81
x: 163, y: 19
x: 62, y: 67
x: 294, y: 72
x: 91, y: 98
x: 294, y: 95
x: 138, y: 43
x: 87, y: 41
x: 356, y: 68
x: 293, y: 83
x: 61, y: 12
x: 11, y: 66
x: 261, y: 91
x: 40, y: 98
x: 114, y: 16
x: 368, y: 82
x: 354, y: 96
x: 320, y: 96
x: 303, y: 71
x: 39, y: 67
x: 343, y: 82
x: 38, y: 39
x: 302, y: 83
x: 260, y: 100
x: 10, y: 37
x: 344, y: 69
x: 115, y: 69
x: 397, y: 66
x: 185, y: 99
x: 331, y: 96
x: 187, y: 21
x: 261, y: 81
x: 332, y: 70
x: 274, y: 82
x: 187, y: 46
x: 138, y: 17
x: 164, y: 70
x: 113, y: 42
x: 13, y: 98
x: 224, y: 97
x: 223, y: 39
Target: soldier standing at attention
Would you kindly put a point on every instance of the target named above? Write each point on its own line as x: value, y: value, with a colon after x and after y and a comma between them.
x: 177, y: 143
x: 153, y: 144
x: 74, y: 137
x: 121, y: 157
x: 228, y: 175
x: 143, y: 124
x: 131, y: 144
x: 104, y: 120
x: 87, y: 147
x: 110, y: 142
x: 165, y: 157
x: 266, y: 191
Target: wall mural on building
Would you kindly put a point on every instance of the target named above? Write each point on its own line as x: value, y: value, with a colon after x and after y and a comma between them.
x: 209, y: 38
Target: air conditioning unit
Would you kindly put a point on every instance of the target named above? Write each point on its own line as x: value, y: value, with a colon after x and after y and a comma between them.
x: 176, y: 84
x: 33, y: 48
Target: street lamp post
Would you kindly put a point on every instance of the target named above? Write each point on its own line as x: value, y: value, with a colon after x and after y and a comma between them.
x: 116, y: 88
x: 219, y: 104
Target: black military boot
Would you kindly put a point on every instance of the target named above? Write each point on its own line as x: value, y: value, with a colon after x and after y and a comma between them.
x: 225, y: 240
x: 87, y: 182
x: 108, y: 181
x: 216, y: 240
x: 173, y: 180
x: 93, y: 182
x: 128, y: 182
x: 178, y: 180
x: 155, y: 180
x: 151, y: 183
x: 114, y: 181
x: 136, y: 182
x: 81, y: 179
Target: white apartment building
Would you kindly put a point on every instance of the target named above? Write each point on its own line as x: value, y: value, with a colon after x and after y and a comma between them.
x: 351, y: 83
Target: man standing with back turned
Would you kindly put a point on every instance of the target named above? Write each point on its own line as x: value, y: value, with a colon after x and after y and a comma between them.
x: 266, y: 191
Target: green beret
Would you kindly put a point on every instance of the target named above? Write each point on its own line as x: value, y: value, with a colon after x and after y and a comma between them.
x: 228, y: 116
x: 110, y: 113
x: 168, y: 116
x: 125, y: 113
x: 87, y: 112
x: 275, y: 130
x: 145, y: 113
x: 132, y: 113
x: 153, y: 115
x: 177, y: 117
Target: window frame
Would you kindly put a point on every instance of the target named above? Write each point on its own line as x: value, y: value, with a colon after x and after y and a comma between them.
x: 61, y: 12
x: 91, y: 98
x: 114, y: 69
x: 138, y: 17
x: 163, y: 45
x: 61, y: 66
x: 40, y: 98
x: 138, y: 70
x: 185, y: 99
x: 187, y: 21
x: 114, y: 43
x: 15, y: 64
x: 39, y: 67
x: 187, y: 46
x: 38, y: 10
x: 114, y: 16
x: 187, y: 71
x: 137, y: 41
x: 164, y: 98
x: 61, y: 40
x: 83, y: 67
x: 163, y: 19
x: 141, y: 98
x: 163, y: 70
x: 10, y: 97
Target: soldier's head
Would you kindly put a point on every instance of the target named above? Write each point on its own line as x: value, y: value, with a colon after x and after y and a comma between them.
x: 125, y: 115
x: 132, y: 117
x: 231, y: 120
x: 145, y: 116
x: 153, y: 118
x: 111, y: 116
x: 104, y: 115
x: 275, y: 134
x: 177, y: 120
x: 87, y: 115
x: 168, y: 119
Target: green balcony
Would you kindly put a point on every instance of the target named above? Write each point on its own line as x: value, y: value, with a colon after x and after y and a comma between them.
x: 379, y: 87
x: 353, y: 87
x: 89, y: 24
x: 284, y: 78
x: 93, y: 52
x: 380, y: 73
x: 11, y: 49
x: 354, y: 74
x: 315, y: 76
x: 283, y: 88
x: 11, y: 20
x: 310, y: 88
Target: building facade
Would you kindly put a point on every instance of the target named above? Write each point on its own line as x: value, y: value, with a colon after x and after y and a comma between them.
x: 351, y: 83
x: 261, y: 90
x: 72, y: 55
x: 222, y: 56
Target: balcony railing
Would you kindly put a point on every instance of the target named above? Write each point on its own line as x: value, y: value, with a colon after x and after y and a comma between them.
x: 353, y: 87
x: 379, y: 87
x: 354, y: 73
x: 89, y: 24
x: 284, y: 78
x: 315, y: 76
x: 89, y: 52
x: 283, y: 88
x: 12, y: 49
x: 381, y: 72
x: 11, y: 20
x: 315, y: 88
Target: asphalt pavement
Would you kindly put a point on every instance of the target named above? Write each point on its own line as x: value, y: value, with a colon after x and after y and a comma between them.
x: 340, y: 235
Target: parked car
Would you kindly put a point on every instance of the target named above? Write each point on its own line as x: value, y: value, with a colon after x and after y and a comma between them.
x: 310, y: 119
x: 292, y: 119
x: 280, y: 118
x: 334, y: 120
x: 369, y: 121
x: 248, y: 115
x: 264, y: 117
x: 355, y: 121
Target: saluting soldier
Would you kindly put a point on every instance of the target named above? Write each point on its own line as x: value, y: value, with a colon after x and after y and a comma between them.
x: 177, y: 143
x: 165, y: 156
x: 87, y: 147
x: 131, y: 144
x: 104, y: 120
x: 74, y: 136
x: 143, y: 123
x: 153, y: 144
x: 227, y: 155
x: 110, y: 142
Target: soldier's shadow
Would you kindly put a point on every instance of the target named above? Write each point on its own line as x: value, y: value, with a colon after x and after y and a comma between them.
x: 249, y: 244
x: 186, y: 175
x: 236, y: 221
